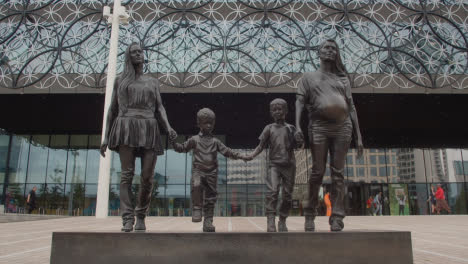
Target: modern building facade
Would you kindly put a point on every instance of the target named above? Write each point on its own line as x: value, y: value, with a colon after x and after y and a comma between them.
x: 407, y: 62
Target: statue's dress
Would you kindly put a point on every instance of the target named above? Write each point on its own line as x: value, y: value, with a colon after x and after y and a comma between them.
x: 136, y: 125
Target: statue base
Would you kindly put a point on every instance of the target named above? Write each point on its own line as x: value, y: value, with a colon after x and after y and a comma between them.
x: 380, y: 247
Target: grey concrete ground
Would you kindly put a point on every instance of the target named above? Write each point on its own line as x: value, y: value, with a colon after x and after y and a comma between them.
x: 8, y: 218
x: 436, y: 239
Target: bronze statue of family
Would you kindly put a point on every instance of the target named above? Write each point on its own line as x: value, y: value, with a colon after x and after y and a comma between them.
x: 133, y: 131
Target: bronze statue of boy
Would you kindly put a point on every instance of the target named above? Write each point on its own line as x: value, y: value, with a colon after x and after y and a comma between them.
x: 280, y: 138
x: 205, y: 167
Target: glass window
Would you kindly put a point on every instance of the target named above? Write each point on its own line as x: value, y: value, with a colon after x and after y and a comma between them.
x: 360, y: 161
x: 361, y: 172
x: 92, y: 165
x: 175, y: 196
x: 90, y: 199
x: 350, y: 171
x: 236, y: 199
x: 160, y: 170
x: 57, y: 161
x: 15, y: 198
x: 382, y: 171
x: 373, y: 171
x: 55, y: 199
x: 93, y: 159
x: 398, y: 196
x: 116, y: 168
x: 456, y: 197
x: 188, y: 167
x: 410, y: 166
x: 256, y: 201
x: 38, y: 160
x: 175, y: 165
x: 77, y: 156
x: 349, y: 159
x: 114, y: 198
x: 158, y: 205
x: 418, y: 196
x: 41, y: 197
x: 382, y: 160
x: 19, y: 157
x: 372, y: 159
x: 74, y: 199
x: 4, y: 142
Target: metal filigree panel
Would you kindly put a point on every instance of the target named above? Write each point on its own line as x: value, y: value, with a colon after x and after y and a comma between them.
x: 57, y: 46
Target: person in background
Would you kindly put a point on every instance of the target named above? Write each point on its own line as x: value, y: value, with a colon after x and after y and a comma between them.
x: 328, y: 204
x: 369, y: 205
x: 378, y: 204
x: 31, y: 200
x: 441, y: 203
x: 401, y: 202
x: 432, y: 200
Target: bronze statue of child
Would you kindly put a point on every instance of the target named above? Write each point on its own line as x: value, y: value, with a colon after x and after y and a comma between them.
x: 280, y: 138
x: 205, y: 167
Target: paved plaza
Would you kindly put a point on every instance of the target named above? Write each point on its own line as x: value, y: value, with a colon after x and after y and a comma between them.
x: 436, y: 239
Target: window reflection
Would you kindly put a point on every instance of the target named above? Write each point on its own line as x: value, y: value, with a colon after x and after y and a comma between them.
x: 77, y: 155
x: 90, y: 199
x: 175, y: 165
x: 19, y: 158
x: 37, y: 167
x: 4, y: 142
x: 256, y: 200
x: 65, y: 169
x: 175, y: 195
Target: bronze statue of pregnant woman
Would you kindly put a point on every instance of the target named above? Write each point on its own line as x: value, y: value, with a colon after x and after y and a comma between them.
x: 326, y: 95
x: 132, y: 131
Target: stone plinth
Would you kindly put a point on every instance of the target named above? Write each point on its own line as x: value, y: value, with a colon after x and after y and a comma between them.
x: 379, y: 247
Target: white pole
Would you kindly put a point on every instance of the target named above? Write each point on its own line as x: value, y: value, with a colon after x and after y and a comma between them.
x: 102, y: 203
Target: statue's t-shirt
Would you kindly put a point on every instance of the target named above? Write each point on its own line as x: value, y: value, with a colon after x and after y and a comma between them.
x: 280, y: 140
x: 328, y: 101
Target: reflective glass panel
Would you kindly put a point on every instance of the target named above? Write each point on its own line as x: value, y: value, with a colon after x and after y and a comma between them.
x: 92, y: 166
x: 457, y: 197
x: 398, y: 196
x: 114, y: 199
x: 15, y: 198
x: 19, y: 157
x: 90, y: 199
x: 55, y: 199
x: 175, y: 165
x: 175, y: 196
x: 256, y: 200
x: 77, y: 156
x: 74, y: 198
x: 236, y: 199
x: 57, y: 161
x: 4, y: 142
x: 38, y: 160
x: 418, y: 197
x: 158, y: 205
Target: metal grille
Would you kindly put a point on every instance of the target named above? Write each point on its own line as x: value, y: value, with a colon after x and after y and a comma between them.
x: 47, y: 45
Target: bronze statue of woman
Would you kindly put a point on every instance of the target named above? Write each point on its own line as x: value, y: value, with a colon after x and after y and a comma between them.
x: 132, y: 131
x: 326, y: 95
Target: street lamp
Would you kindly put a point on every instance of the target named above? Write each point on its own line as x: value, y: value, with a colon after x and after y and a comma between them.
x: 119, y: 16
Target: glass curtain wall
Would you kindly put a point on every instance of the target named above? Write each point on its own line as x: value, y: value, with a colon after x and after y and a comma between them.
x: 65, y: 168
